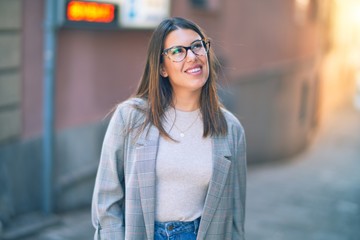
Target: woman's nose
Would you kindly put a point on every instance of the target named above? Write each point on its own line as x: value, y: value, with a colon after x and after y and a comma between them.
x: 190, y: 56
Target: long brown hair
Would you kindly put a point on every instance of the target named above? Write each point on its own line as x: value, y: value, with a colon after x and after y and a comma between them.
x: 158, y: 92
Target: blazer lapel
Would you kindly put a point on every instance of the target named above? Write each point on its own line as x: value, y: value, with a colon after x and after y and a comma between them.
x: 146, y: 151
x: 221, y: 166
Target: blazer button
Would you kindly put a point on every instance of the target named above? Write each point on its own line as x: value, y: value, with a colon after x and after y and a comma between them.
x: 170, y: 227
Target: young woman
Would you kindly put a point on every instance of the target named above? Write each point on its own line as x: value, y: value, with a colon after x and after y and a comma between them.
x: 173, y: 162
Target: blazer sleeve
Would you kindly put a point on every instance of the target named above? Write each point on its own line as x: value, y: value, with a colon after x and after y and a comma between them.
x: 239, y: 186
x: 108, y: 197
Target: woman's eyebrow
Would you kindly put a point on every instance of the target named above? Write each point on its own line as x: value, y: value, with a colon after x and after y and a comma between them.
x: 195, y: 41
x: 178, y: 45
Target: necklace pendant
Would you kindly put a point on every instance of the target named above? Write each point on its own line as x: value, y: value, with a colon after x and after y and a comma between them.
x: 182, y: 134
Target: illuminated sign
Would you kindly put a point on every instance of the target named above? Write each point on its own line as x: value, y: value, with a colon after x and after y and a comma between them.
x: 91, y: 14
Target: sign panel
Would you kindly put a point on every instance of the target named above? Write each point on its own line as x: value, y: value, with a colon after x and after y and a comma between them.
x: 143, y: 13
x: 90, y: 14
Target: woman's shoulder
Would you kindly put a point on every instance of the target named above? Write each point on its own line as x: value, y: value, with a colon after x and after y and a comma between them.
x: 131, y: 108
x: 132, y: 104
x: 232, y: 120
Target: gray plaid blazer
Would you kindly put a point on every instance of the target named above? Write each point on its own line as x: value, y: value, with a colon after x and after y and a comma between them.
x: 123, y: 205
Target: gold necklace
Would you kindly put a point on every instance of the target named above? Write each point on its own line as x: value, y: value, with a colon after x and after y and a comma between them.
x: 182, y: 132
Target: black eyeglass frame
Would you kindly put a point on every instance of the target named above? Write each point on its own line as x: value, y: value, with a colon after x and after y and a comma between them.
x: 205, y: 42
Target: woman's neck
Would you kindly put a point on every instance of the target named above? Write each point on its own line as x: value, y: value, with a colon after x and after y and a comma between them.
x: 186, y: 102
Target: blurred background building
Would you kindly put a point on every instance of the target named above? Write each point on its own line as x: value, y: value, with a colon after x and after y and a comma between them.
x: 286, y: 65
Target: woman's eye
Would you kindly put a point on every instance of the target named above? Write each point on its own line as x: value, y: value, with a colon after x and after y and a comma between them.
x: 176, y: 50
x: 197, y: 45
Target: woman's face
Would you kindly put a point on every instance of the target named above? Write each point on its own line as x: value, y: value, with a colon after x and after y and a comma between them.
x: 190, y: 74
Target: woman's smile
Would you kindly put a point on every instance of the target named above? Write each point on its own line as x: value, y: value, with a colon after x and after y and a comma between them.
x: 194, y: 70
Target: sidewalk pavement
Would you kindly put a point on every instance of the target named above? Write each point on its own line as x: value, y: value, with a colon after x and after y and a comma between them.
x: 312, y: 196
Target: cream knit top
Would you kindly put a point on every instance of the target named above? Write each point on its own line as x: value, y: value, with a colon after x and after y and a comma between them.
x: 183, y: 168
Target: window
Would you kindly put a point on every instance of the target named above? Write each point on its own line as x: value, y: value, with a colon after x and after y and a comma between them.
x: 199, y: 3
x: 208, y: 5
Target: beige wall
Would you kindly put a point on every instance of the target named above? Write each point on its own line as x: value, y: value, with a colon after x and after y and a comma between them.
x: 10, y: 71
x: 341, y: 54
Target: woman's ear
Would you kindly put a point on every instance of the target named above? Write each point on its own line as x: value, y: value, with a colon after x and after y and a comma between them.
x: 163, y: 72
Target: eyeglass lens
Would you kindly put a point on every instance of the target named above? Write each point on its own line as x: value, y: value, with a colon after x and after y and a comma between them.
x: 178, y: 53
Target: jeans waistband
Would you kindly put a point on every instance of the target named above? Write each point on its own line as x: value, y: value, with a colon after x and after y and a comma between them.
x: 175, y: 226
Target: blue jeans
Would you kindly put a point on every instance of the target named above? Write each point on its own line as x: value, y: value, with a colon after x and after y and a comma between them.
x: 176, y: 230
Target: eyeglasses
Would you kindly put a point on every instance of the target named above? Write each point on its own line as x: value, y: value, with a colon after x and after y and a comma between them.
x: 179, y: 53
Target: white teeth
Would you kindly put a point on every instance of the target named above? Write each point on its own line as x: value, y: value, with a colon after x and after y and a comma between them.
x: 194, y: 70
